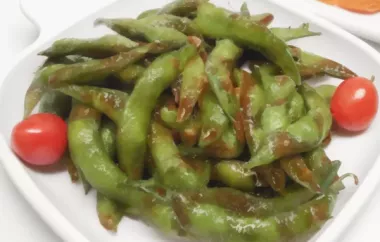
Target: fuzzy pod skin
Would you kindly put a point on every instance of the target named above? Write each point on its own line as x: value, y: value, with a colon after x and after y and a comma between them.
x: 132, y: 135
x: 287, y: 34
x: 312, y: 65
x: 301, y: 136
x: 89, y: 71
x: 102, y: 47
x: 189, y: 130
x: 139, y: 30
x: 109, y: 212
x: 194, y: 81
x: 218, y: 224
x: 105, y: 176
x: 247, y: 33
x: 214, y: 120
x: 171, y: 168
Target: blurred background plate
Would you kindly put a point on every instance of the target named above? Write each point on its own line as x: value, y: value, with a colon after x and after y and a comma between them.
x: 363, y: 25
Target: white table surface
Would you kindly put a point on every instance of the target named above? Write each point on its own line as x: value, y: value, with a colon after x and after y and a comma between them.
x: 18, y: 221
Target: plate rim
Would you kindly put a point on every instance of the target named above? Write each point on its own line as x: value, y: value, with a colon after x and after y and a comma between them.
x: 64, y: 229
x: 339, y: 16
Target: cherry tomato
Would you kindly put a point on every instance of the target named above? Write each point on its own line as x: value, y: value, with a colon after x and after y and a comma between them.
x: 41, y: 139
x: 354, y: 104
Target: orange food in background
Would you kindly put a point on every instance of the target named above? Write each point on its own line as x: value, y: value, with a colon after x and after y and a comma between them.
x: 359, y: 6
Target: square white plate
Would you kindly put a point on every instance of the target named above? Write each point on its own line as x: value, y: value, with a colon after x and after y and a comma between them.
x: 73, y: 215
x: 363, y: 25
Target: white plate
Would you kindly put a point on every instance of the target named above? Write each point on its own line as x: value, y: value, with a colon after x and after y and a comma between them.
x: 362, y: 25
x: 72, y: 215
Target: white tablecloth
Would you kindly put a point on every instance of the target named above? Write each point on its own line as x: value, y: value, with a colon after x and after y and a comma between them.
x: 18, y: 221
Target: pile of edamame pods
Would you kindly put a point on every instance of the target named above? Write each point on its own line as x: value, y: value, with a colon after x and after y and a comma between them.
x: 198, y: 121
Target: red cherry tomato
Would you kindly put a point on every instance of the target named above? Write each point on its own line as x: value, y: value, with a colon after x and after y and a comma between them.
x: 40, y: 139
x: 354, y: 104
